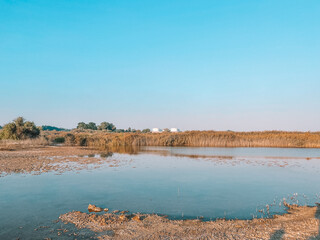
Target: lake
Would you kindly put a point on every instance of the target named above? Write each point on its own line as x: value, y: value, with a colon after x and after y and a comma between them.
x: 181, y: 182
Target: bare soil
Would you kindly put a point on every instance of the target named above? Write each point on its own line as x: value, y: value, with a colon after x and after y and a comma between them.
x: 298, y: 223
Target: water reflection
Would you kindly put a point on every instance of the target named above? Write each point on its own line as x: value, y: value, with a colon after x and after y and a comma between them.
x: 125, y: 149
x: 280, y: 157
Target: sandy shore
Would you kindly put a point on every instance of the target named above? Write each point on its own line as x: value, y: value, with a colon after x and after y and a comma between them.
x: 298, y: 223
x: 49, y: 158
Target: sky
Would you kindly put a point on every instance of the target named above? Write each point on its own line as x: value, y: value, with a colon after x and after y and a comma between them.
x: 208, y: 64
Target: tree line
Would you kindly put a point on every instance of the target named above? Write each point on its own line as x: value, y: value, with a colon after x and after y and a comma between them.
x: 20, y: 129
x: 52, y: 128
x: 93, y: 126
x: 106, y: 126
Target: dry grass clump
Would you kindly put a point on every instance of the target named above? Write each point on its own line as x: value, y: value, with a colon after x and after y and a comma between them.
x: 100, y: 139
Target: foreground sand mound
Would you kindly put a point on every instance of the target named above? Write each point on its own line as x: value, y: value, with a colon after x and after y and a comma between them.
x: 298, y: 223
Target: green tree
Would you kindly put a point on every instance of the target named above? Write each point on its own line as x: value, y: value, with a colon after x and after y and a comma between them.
x: 147, y: 130
x: 107, y: 126
x: 19, y: 122
x: 92, y: 126
x: 82, y: 125
x: 9, y: 131
x: 19, y: 129
x: 30, y: 130
x: 120, y: 130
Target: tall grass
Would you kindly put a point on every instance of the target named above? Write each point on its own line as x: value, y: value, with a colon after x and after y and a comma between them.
x: 99, y: 139
x: 21, y: 144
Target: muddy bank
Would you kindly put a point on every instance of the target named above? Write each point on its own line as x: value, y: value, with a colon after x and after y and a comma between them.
x: 51, y: 158
x: 298, y: 223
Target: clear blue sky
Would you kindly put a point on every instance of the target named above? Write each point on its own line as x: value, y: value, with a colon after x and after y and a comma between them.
x: 205, y: 64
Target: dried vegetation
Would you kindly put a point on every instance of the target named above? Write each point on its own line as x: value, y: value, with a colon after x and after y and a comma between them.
x: 100, y: 139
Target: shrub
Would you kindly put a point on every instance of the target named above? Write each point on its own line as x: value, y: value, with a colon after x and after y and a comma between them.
x: 60, y: 140
x: 70, y: 139
x: 9, y: 132
x: 19, y: 129
x: 82, y: 141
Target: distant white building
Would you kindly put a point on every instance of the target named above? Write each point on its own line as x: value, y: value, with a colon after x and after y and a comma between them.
x: 174, y: 130
x: 156, y: 130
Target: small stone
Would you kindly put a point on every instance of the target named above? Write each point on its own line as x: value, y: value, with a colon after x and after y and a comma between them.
x: 94, y: 208
x: 115, y: 211
x: 106, y: 209
x: 122, y: 217
x: 136, y: 218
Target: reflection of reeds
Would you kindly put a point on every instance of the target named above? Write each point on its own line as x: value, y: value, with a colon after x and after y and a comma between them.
x: 101, y: 139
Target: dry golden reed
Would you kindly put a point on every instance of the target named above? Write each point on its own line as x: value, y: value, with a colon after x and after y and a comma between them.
x: 100, y: 139
x: 21, y: 144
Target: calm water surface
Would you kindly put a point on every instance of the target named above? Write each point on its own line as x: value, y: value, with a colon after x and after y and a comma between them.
x: 180, y: 182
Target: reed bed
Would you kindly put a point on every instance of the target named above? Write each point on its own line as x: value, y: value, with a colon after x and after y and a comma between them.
x: 100, y: 139
x: 21, y: 144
